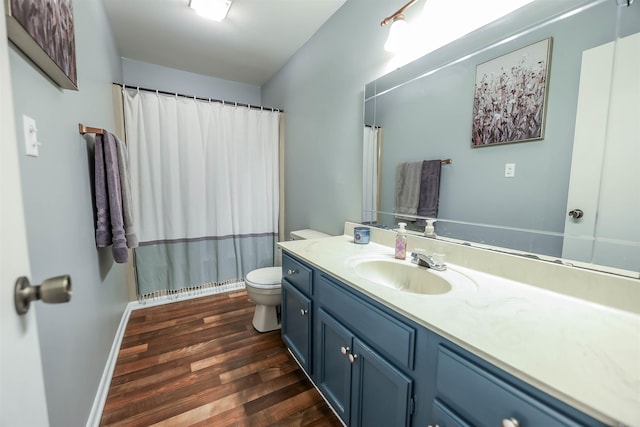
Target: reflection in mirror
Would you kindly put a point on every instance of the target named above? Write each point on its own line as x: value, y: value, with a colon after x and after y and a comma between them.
x: 371, y: 151
x: 519, y: 196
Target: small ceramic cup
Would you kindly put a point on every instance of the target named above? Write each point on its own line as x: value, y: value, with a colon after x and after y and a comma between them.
x: 361, y: 235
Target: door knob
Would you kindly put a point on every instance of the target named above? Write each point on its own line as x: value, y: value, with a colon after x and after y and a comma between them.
x: 576, y: 213
x: 54, y: 290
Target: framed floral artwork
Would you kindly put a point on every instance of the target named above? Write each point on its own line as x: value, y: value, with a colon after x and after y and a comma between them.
x: 510, y: 96
x: 43, y: 30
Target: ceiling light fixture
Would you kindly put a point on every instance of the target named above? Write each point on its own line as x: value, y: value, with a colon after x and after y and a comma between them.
x: 212, y: 9
x: 399, y: 31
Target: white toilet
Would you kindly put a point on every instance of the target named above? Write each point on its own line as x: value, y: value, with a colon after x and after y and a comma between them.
x: 263, y: 288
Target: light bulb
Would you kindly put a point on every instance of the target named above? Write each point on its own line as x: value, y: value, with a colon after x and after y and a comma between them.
x: 398, y: 36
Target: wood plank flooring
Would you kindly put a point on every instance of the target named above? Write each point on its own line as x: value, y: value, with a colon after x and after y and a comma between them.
x: 200, y: 363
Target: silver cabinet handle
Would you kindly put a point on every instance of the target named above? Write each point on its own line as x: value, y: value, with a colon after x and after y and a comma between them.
x: 303, y: 311
x: 511, y: 422
x: 433, y: 425
x: 352, y: 357
x: 344, y: 350
x: 54, y: 290
x: 291, y: 272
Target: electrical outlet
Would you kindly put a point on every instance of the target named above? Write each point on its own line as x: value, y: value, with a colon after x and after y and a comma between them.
x: 30, y: 136
x: 509, y: 170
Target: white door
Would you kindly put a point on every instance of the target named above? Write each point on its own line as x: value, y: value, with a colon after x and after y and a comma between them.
x: 22, y: 398
x: 605, y: 176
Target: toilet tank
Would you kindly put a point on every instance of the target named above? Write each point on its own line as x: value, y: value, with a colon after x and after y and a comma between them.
x: 307, y: 233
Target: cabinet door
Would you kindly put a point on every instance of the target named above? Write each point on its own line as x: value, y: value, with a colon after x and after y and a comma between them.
x: 334, y: 376
x: 296, y: 324
x: 381, y: 394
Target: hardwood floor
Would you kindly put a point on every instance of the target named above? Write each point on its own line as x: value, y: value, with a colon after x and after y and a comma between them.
x: 200, y: 363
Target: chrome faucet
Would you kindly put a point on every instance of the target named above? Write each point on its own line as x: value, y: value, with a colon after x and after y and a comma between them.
x: 418, y: 257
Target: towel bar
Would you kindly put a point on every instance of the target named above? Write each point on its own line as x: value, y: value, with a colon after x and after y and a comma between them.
x: 88, y: 129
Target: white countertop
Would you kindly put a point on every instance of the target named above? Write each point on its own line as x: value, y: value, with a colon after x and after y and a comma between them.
x: 583, y: 353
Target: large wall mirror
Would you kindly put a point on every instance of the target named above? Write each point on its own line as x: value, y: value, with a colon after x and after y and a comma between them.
x: 573, y: 193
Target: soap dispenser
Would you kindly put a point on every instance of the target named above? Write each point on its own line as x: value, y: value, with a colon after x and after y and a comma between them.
x: 429, y: 230
x: 401, y: 241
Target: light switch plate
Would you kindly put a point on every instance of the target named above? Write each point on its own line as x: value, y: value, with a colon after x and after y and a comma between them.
x: 509, y: 170
x: 30, y: 136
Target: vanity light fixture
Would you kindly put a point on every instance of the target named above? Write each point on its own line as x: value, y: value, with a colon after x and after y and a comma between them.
x: 399, y: 31
x: 439, y: 23
x: 397, y: 15
x: 212, y: 9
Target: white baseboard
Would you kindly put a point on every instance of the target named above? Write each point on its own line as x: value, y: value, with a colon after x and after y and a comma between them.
x: 105, y: 381
x: 103, y: 388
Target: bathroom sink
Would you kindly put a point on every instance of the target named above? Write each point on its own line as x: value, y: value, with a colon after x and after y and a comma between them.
x: 401, y: 275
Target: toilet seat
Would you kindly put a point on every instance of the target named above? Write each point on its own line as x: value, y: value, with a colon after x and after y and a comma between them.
x: 265, y: 278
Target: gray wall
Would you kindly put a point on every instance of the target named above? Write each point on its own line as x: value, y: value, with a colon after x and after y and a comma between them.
x: 321, y: 92
x: 151, y: 76
x: 75, y: 338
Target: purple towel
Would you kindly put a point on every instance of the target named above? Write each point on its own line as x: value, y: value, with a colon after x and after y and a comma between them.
x: 119, y: 248
x: 429, y: 189
x: 103, y: 226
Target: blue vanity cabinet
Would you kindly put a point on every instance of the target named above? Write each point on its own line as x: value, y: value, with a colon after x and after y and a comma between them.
x: 297, y: 313
x: 376, y: 367
x: 381, y: 394
x: 296, y: 324
x: 470, y: 394
x: 333, y: 377
x: 361, y: 353
x: 362, y: 387
x: 443, y: 416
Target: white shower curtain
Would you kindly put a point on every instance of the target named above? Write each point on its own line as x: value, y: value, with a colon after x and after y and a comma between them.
x: 204, y: 181
x: 370, y: 149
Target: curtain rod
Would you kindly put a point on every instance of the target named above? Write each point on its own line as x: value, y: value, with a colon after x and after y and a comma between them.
x: 223, y: 102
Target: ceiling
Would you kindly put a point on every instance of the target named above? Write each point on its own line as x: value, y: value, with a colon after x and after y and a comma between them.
x: 250, y: 46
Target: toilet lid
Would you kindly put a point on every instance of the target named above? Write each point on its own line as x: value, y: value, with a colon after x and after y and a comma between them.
x: 267, y: 277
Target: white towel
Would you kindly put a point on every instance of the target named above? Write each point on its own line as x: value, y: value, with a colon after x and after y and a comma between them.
x: 408, y: 177
x: 125, y: 189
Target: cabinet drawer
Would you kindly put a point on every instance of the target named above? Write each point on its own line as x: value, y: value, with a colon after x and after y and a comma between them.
x: 444, y: 417
x: 394, y: 339
x: 298, y: 274
x: 486, y: 400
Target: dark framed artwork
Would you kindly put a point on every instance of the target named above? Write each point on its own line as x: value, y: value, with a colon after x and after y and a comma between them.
x: 510, y: 96
x: 43, y: 30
